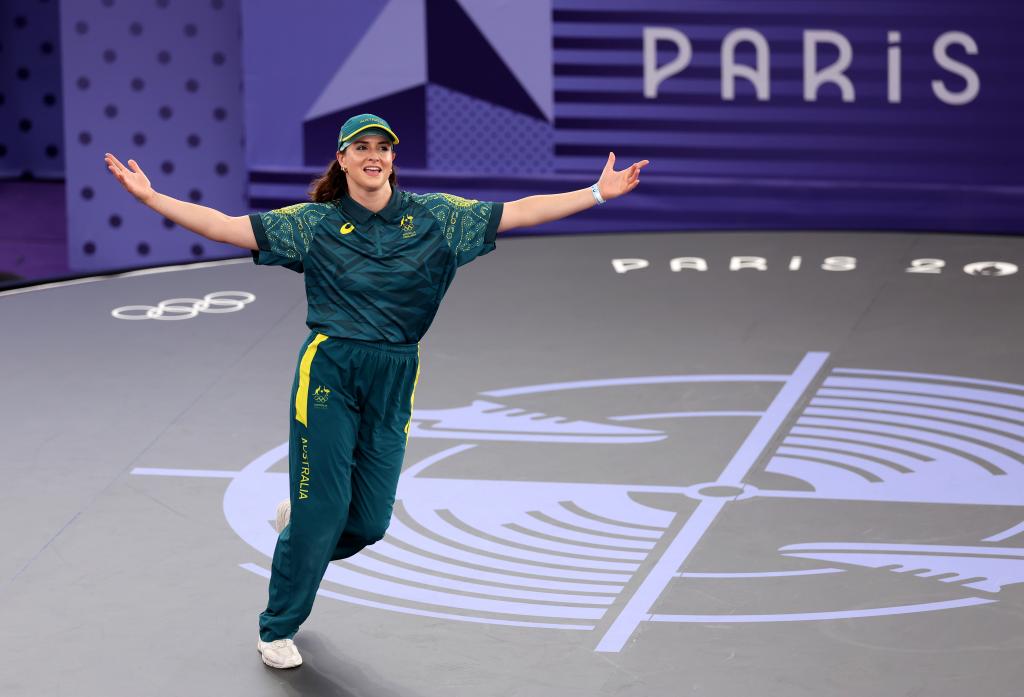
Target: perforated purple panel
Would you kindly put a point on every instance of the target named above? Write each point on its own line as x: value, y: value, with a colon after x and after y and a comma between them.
x: 466, y: 134
x: 31, y: 131
x: 158, y: 81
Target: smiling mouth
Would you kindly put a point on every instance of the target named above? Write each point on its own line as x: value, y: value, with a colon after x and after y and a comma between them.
x: 372, y: 170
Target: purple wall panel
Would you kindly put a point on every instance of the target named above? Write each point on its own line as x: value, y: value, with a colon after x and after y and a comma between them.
x: 32, y: 238
x: 869, y: 159
x: 872, y: 159
x: 467, y: 134
x: 159, y: 81
x: 291, y: 53
x: 941, y: 142
x: 31, y: 130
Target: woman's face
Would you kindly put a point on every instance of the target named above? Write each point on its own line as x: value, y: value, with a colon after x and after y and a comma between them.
x: 368, y: 162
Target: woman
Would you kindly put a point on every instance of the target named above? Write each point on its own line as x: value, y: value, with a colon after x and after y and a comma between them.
x: 377, y: 261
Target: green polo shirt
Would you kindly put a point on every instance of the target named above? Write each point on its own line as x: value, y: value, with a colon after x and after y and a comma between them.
x: 376, y: 276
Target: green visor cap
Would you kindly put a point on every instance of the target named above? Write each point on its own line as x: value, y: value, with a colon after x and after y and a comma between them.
x: 366, y: 124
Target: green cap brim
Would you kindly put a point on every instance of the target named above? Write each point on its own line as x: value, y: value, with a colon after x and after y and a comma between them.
x: 347, y: 138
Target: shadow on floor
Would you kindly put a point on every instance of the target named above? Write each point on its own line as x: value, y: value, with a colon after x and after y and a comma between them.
x: 327, y: 672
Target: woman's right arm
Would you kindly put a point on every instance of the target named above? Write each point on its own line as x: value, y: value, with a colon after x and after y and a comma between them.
x: 210, y: 223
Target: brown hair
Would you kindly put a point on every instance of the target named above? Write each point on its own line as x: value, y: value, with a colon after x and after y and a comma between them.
x: 332, y: 185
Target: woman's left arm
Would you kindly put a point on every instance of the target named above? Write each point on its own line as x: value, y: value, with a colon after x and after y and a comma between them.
x: 537, y: 210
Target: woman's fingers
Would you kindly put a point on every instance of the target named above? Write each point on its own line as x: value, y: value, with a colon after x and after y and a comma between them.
x: 131, y: 178
x: 622, y: 181
x: 118, y: 174
x: 634, y: 169
x: 116, y: 162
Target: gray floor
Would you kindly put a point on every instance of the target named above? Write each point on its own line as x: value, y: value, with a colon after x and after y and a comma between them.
x: 777, y: 482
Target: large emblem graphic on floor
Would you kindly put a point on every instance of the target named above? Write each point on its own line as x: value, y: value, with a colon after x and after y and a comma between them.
x: 496, y: 528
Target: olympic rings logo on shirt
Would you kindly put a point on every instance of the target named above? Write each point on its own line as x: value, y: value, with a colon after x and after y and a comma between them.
x: 187, y: 308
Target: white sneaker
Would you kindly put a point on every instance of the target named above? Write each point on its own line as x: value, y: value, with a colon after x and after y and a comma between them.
x: 284, y: 515
x: 280, y: 653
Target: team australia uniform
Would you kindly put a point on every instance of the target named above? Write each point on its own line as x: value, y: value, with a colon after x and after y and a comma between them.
x: 374, y: 282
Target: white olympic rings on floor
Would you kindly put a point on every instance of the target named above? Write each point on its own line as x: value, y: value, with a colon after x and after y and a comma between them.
x: 187, y: 308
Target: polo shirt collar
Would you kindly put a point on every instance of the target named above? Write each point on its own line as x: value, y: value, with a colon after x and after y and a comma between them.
x: 390, y: 213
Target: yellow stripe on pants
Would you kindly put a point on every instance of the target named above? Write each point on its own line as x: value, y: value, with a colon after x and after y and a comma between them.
x: 302, y: 394
x: 412, y: 399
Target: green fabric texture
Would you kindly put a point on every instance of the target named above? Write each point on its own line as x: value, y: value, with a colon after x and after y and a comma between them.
x: 344, y: 463
x: 377, y: 276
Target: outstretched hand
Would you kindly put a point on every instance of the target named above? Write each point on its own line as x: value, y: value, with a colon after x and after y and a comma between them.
x: 614, y: 184
x: 134, y: 180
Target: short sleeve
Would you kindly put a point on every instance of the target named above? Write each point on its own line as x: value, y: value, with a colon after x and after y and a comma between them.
x: 271, y: 259
x: 469, y: 226
x: 284, y: 235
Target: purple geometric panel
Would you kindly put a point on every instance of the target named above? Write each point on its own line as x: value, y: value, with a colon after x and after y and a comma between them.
x: 291, y: 54
x: 362, y: 75
x: 466, y: 134
x: 405, y: 111
x: 31, y: 129
x: 520, y: 33
x: 159, y: 82
x: 459, y: 57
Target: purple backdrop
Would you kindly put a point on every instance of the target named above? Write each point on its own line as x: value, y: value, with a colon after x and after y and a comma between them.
x: 31, y: 138
x: 914, y: 130
x: 160, y: 82
x: 917, y: 133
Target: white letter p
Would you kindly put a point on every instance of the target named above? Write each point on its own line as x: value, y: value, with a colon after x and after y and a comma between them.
x: 624, y: 265
x: 653, y: 75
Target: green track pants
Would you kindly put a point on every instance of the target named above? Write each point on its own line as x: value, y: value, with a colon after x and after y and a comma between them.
x: 350, y: 413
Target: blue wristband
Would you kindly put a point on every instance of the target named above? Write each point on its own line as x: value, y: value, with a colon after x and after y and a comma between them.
x: 597, y: 194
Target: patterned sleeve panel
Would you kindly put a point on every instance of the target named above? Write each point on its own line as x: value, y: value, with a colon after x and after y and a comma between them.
x: 469, y: 226
x: 284, y: 235
x: 271, y: 259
